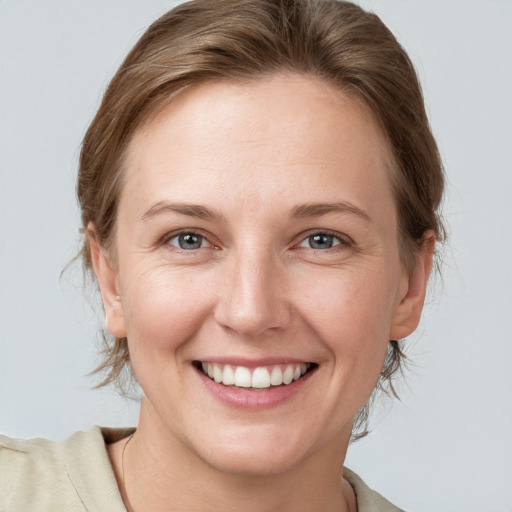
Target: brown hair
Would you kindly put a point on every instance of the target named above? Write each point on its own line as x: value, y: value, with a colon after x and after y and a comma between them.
x: 207, y: 40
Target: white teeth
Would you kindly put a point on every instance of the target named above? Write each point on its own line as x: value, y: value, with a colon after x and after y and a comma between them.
x: 228, y: 377
x: 276, y: 378
x: 259, y: 378
x: 217, y: 373
x: 288, y: 374
x: 242, y: 377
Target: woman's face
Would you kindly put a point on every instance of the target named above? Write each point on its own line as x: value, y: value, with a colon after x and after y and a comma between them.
x: 256, y: 240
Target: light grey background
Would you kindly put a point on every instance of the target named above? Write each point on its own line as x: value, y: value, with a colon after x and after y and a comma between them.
x: 448, y: 445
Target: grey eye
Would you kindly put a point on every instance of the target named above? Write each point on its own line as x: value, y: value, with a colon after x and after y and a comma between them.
x: 320, y: 241
x: 187, y: 241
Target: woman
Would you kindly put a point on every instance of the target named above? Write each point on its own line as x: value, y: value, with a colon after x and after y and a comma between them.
x: 259, y: 194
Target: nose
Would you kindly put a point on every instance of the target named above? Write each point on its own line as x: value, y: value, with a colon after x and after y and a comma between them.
x: 253, y: 301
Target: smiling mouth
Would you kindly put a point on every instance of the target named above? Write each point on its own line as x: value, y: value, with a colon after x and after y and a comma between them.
x: 260, y: 378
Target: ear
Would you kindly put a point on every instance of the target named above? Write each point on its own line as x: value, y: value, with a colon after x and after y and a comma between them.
x: 408, y: 312
x: 107, y: 279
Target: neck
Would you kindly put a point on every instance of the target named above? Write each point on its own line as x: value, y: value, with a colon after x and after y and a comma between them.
x: 160, y: 470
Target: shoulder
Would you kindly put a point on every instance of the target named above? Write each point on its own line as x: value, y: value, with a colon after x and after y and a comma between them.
x: 31, y: 472
x: 43, y: 475
x: 368, y: 500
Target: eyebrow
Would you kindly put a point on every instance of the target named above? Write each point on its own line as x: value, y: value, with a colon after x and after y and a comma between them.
x: 318, y: 209
x: 191, y: 210
x: 300, y: 211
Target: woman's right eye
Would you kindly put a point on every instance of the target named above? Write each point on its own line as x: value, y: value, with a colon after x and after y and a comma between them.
x: 188, y: 241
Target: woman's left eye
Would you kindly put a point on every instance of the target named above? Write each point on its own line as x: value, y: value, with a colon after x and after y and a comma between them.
x: 320, y: 241
x: 188, y: 241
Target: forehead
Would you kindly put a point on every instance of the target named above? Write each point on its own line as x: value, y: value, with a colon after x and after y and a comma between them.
x: 280, y: 131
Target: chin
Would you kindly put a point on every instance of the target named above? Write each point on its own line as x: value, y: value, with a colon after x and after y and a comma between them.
x: 256, y: 455
x: 251, y: 464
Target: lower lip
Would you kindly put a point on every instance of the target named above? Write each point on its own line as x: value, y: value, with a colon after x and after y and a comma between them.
x: 254, y: 399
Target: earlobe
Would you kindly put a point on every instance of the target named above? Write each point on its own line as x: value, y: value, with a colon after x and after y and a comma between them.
x: 107, y: 279
x: 408, y: 312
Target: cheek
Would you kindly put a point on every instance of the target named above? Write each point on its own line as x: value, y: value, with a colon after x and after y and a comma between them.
x: 164, y: 309
x: 350, y: 301
x: 351, y: 314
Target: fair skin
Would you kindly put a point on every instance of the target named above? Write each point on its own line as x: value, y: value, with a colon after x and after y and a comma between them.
x: 256, y: 229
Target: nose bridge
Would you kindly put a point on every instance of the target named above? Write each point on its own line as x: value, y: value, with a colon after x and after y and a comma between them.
x: 253, y: 302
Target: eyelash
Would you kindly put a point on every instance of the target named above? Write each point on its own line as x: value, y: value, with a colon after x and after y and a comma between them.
x: 339, y: 241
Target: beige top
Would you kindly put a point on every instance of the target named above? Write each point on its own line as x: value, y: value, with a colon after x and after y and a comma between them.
x: 76, y: 476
